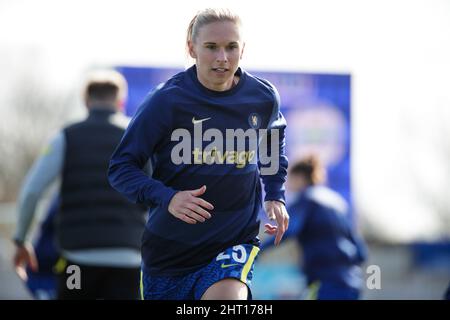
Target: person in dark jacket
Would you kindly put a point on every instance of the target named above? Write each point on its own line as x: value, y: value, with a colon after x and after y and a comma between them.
x: 98, y: 231
x: 332, y: 249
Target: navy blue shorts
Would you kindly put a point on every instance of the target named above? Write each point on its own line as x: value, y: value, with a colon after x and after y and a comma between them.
x: 235, y: 262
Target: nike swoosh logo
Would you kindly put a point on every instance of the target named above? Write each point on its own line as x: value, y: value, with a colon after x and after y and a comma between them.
x: 228, y: 265
x: 199, y: 121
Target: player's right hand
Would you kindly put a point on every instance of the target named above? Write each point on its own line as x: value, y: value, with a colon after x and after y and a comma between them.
x: 187, y: 206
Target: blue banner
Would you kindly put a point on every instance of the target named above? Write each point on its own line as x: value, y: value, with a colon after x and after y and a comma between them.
x: 316, y: 107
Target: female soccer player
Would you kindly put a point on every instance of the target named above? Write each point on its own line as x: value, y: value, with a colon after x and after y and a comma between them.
x: 204, y: 193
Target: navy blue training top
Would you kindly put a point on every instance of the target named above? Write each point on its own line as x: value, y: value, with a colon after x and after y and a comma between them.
x: 171, y: 246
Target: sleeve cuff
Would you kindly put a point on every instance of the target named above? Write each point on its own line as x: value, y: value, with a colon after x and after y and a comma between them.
x: 168, y: 197
x: 18, y: 242
x: 275, y: 192
x: 282, y: 200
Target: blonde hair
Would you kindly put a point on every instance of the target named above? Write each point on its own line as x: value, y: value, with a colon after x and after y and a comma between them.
x: 208, y: 16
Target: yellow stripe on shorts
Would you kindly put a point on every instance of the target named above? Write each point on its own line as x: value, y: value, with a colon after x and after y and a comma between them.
x: 60, y: 266
x: 248, y: 264
x: 141, y: 287
x: 313, y: 290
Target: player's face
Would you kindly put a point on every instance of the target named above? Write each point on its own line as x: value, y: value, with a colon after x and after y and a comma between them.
x: 217, y: 51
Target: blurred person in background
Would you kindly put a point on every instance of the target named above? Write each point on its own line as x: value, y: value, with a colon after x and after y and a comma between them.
x: 332, y: 250
x: 96, y: 228
x: 42, y: 283
x: 447, y: 293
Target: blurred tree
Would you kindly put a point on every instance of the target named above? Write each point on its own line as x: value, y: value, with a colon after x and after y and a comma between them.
x: 429, y: 165
x: 33, y: 113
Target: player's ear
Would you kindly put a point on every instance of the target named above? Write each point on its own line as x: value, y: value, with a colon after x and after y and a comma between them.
x: 191, y: 49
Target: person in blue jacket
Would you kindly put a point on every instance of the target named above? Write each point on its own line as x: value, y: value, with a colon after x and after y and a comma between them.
x: 43, y: 282
x: 332, y: 249
x: 210, y: 133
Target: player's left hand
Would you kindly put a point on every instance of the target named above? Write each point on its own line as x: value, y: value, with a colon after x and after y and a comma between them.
x: 276, y: 210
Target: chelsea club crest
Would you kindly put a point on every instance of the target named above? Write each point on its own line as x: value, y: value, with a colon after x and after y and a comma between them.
x: 254, y: 120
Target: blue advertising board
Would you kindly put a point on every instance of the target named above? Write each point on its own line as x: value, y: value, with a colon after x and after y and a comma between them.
x: 316, y: 107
